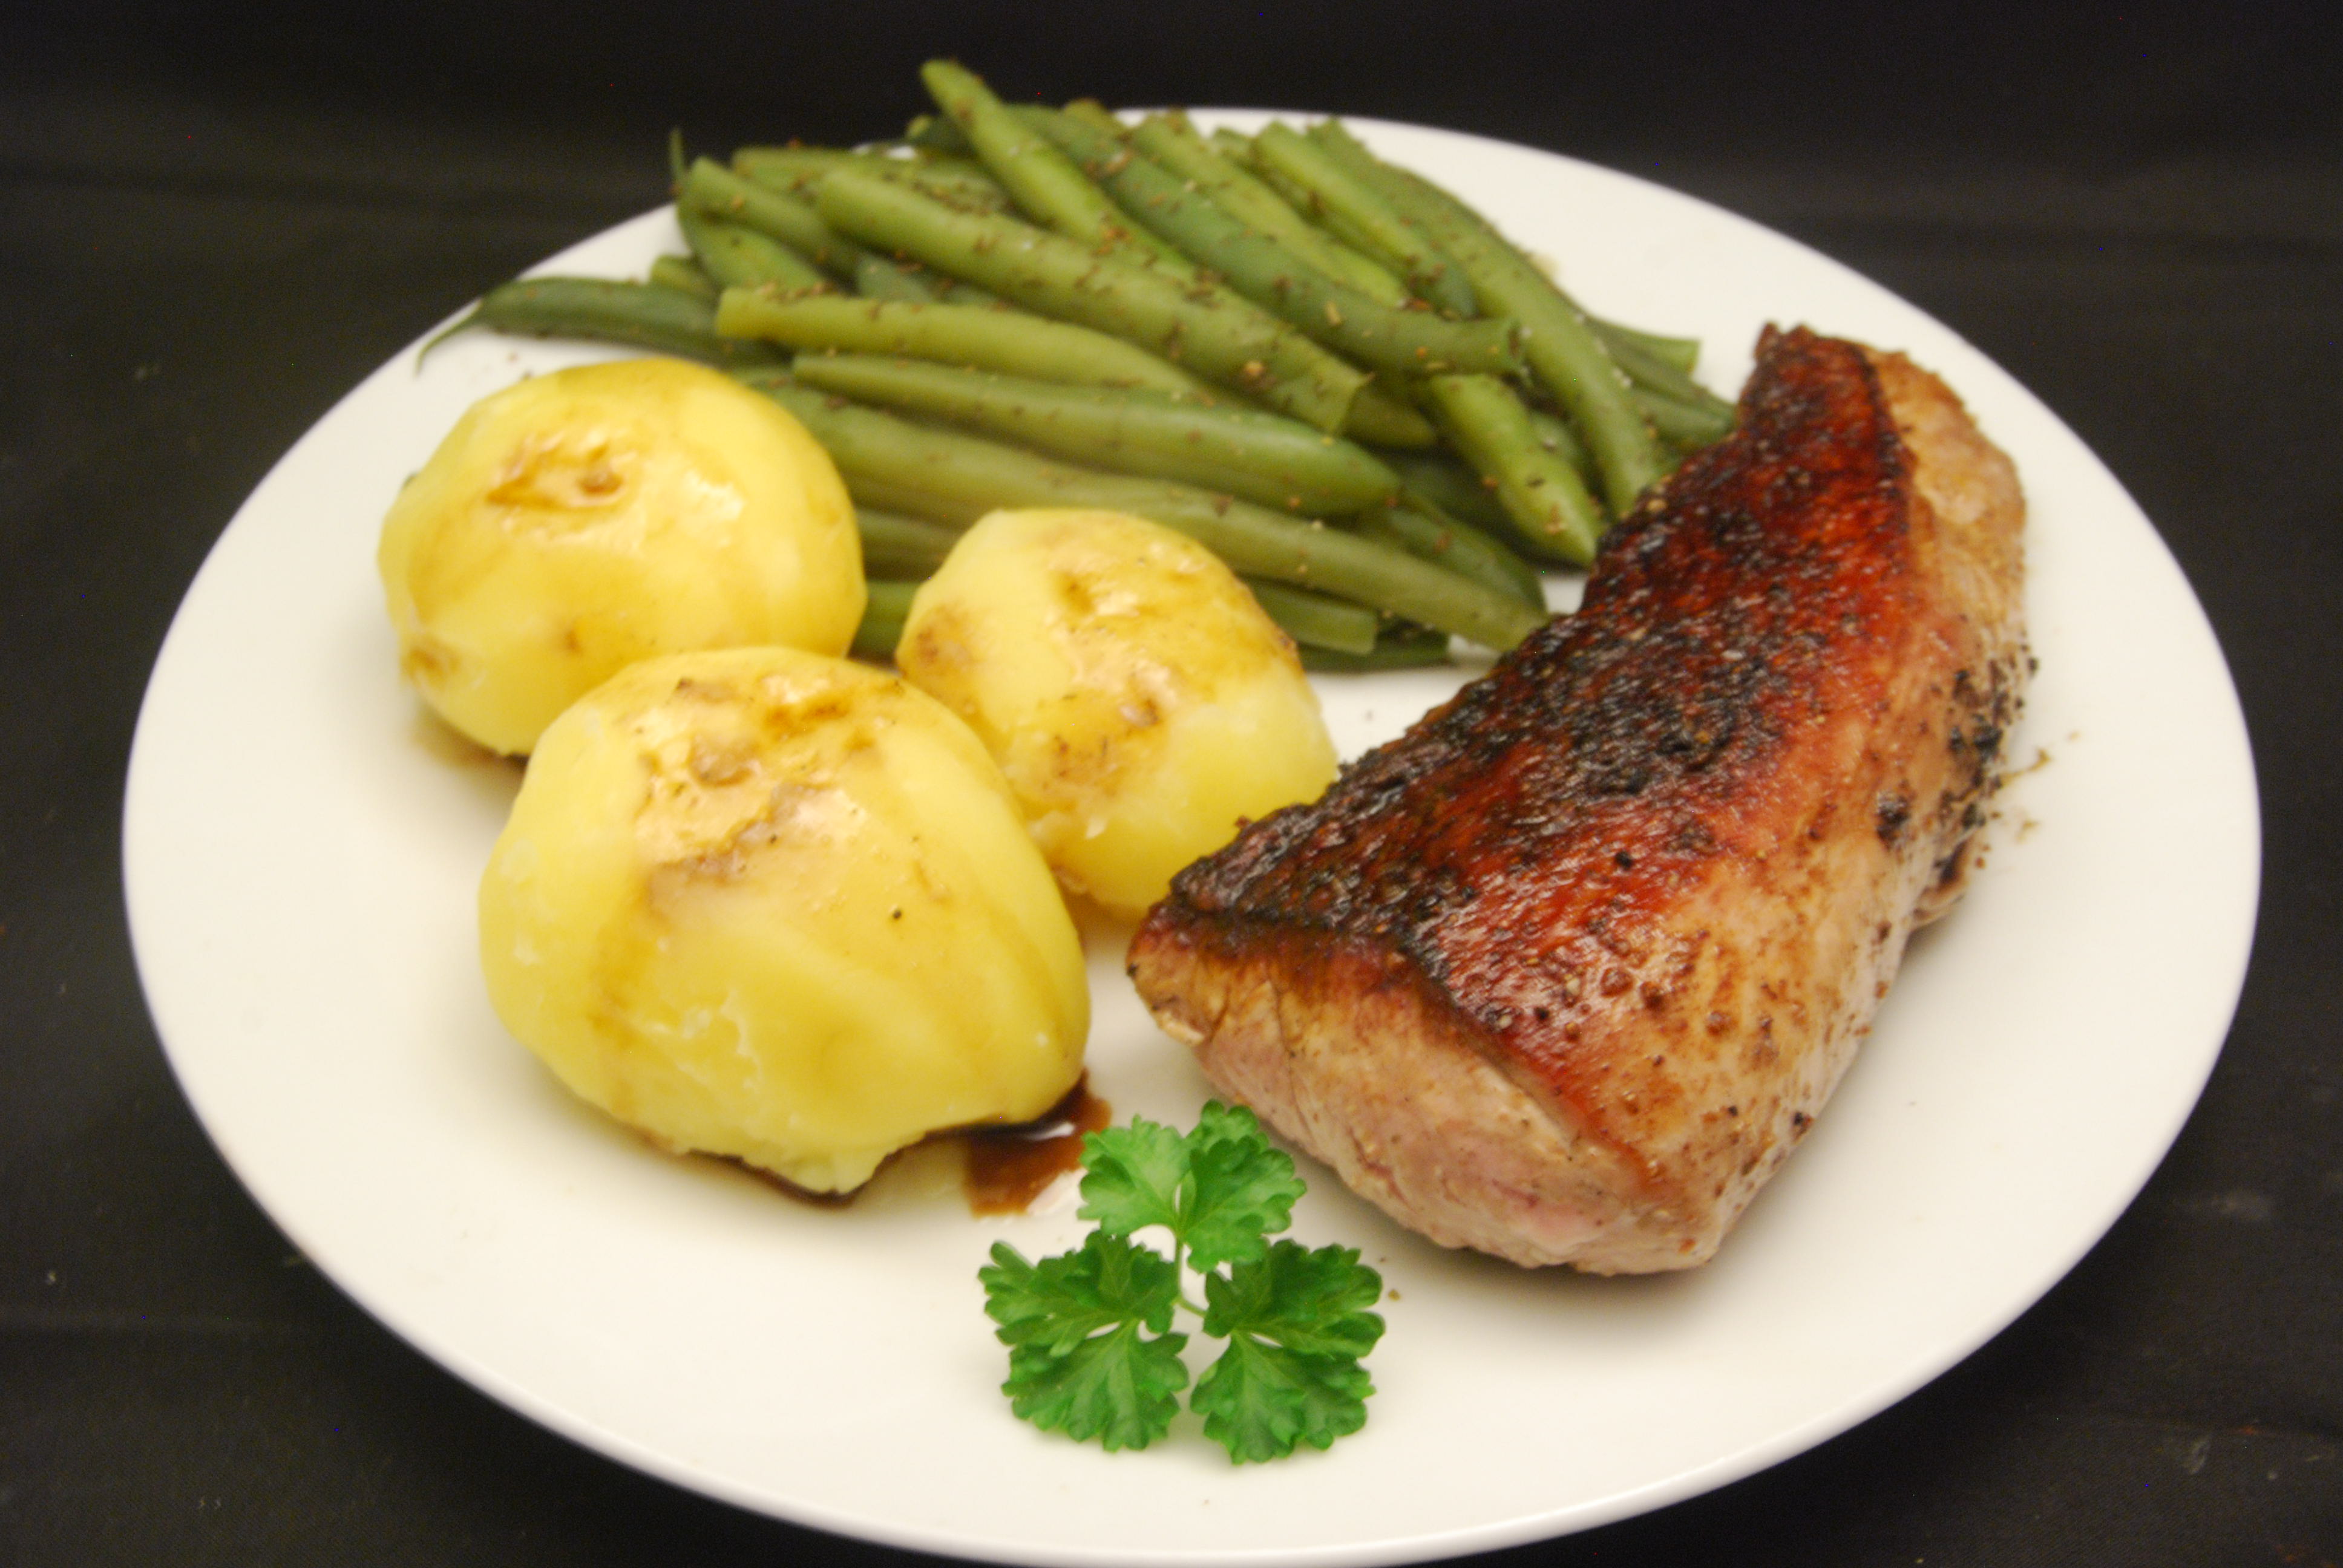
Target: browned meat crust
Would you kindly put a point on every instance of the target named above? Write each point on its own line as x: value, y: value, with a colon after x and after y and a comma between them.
x: 1564, y: 973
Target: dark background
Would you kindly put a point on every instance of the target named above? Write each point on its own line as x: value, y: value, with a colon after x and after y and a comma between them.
x: 215, y: 220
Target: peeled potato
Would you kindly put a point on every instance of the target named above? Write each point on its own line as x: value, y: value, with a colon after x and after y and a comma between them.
x: 778, y: 906
x: 1135, y: 694
x: 577, y: 522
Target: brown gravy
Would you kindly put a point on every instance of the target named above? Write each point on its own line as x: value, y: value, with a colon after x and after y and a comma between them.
x: 1009, y: 1167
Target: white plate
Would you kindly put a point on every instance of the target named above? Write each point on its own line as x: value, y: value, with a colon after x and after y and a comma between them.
x: 301, y: 858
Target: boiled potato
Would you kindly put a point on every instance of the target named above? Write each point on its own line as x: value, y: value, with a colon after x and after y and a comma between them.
x: 579, y: 521
x: 778, y: 906
x: 1136, y: 696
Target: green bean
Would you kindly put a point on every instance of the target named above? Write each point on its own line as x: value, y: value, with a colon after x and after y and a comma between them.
x: 896, y: 545
x: 1225, y: 338
x: 945, y: 476
x: 1652, y: 359
x: 716, y: 191
x: 1554, y: 434
x: 1543, y: 496
x: 1092, y: 113
x: 937, y: 133
x: 882, y: 278
x: 1009, y: 341
x: 877, y: 278
x: 1399, y: 648
x: 1443, y: 482
x: 1564, y: 353
x: 1170, y: 140
x: 962, y: 170
x: 955, y: 509
x: 1380, y: 419
x: 1429, y: 533
x: 1400, y: 343
x: 960, y: 181
x: 680, y: 272
x: 884, y: 612
x: 1647, y: 371
x: 1036, y: 171
x: 1407, y: 247
x: 740, y: 258
x: 1691, y: 426
x: 1237, y: 147
x: 645, y: 315
x: 1683, y: 353
x: 1262, y: 457
x: 1316, y: 619
x: 1303, y: 200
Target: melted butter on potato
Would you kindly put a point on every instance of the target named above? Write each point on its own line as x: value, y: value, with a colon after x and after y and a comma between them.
x: 1137, y: 697
x: 578, y: 521
x: 780, y: 906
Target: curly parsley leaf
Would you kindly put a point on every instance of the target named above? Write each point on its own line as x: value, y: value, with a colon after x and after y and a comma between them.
x: 1132, y: 1176
x: 1257, y: 1399
x: 1297, y: 1325
x: 1311, y: 1302
x: 1243, y: 1190
x: 1063, y: 1299
x: 1091, y: 1350
x: 1121, y: 1388
x: 1081, y: 1360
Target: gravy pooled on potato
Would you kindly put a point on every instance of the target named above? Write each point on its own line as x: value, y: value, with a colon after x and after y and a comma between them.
x: 780, y: 906
x: 577, y: 522
x: 1138, y: 697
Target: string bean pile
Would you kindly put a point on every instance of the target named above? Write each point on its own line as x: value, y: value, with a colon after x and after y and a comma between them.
x: 1330, y: 371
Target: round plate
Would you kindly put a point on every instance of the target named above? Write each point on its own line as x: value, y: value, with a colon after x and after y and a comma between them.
x: 302, y: 846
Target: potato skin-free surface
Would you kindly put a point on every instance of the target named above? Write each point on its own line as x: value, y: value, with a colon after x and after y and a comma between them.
x: 778, y: 906
x: 1138, y: 699
x: 578, y: 521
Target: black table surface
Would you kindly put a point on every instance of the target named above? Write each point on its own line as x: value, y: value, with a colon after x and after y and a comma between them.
x: 217, y: 220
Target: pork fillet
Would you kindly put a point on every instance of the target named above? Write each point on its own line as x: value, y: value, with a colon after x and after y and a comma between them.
x: 1566, y: 971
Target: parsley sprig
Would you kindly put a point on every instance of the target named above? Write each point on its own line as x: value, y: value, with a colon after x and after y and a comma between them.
x: 1092, y: 1351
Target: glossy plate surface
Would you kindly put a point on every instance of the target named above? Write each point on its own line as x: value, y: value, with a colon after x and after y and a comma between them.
x: 302, y: 847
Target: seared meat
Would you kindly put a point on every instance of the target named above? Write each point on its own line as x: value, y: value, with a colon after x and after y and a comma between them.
x: 1565, y: 973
